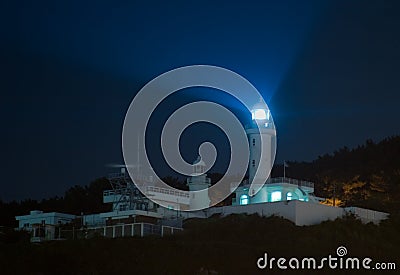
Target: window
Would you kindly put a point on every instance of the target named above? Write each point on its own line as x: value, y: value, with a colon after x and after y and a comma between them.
x: 254, y: 142
x: 289, y: 196
x: 244, y: 199
x: 259, y: 114
x: 276, y: 196
x: 253, y: 162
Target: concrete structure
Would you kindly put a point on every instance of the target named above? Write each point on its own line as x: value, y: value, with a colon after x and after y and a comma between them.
x: 43, y: 225
x: 199, y: 181
x: 276, y: 189
x: 133, y: 214
x: 299, y: 212
x: 261, y: 128
x: 289, y: 198
x: 367, y: 215
x: 38, y: 217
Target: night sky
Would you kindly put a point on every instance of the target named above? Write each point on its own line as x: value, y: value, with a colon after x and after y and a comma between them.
x: 328, y: 70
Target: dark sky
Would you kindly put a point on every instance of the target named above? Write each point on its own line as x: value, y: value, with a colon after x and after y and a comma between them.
x: 329, y: 71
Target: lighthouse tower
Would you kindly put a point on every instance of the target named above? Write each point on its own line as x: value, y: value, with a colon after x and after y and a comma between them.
x: 199, y: 182
x: 261, y: 153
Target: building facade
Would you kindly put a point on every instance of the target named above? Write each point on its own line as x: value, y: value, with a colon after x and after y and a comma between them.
x: 43, y: 226
x: 134, y: 214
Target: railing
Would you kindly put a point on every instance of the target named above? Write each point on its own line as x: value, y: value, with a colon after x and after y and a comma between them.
x: 208, y: 180
x: 184, y: 194
x: 299, y: 183
x: 115, y: 192
x: 127, y: 176
x: 120, y: 230
x: 166, y: 191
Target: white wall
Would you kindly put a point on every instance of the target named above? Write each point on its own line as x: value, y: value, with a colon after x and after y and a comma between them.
x: 367, y: 215
x: 299, y: 212
x: 282, y: 209
x: 49, y: 218
x: 314, y: 213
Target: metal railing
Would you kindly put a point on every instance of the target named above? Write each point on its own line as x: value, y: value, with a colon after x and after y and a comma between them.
x: 119, y: 230
x: 123, y: 191
x: 126, y: 176
x: 300, y: 183
x: 208, y: 180
x: 166, y: 191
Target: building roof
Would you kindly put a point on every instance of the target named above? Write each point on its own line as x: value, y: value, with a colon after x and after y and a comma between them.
x: 40, y: 214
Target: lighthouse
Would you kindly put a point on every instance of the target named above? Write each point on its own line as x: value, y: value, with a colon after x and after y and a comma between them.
x: 199, y: 183
x: 261, y: 134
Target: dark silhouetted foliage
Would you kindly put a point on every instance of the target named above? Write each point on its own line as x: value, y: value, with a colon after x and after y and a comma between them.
x: 366, y: 176
x: 229, y: 245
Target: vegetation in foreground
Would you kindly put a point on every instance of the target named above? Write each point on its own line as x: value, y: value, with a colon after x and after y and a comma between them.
x: 229, y: 245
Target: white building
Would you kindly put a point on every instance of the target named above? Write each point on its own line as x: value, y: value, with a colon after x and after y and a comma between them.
x: 197, y: 182
x: 183, y: 200
x: 134, y: 214
x: 285, y: 197
x: 277, y: 189
x: 262, y: 140
x: 43, y: 225
x: 289, y: 198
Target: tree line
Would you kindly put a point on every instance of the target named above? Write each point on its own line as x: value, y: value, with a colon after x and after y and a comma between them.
x: 365, y: 176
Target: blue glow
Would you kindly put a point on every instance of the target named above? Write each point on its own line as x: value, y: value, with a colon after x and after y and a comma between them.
x: 244, y: 199
x: 276, y: 196
x: 259, y: 114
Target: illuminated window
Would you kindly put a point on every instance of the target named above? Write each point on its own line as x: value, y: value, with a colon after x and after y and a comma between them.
x: 244, y: 199
x: 259, y: 114
x: 276, y: 196
x: 289, y: 196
